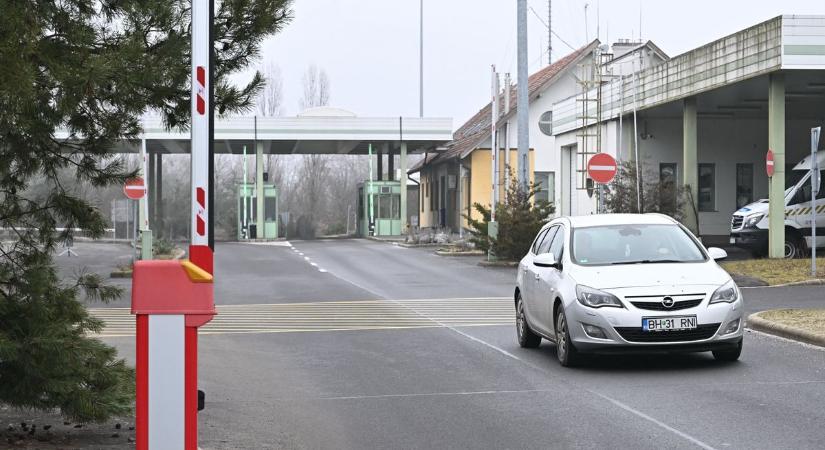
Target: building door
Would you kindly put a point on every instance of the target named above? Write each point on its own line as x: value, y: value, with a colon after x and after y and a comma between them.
x: 568, y: 180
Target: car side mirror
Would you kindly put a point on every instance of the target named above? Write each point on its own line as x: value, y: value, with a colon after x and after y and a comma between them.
x: 717, y: 253
x: 545, y: 260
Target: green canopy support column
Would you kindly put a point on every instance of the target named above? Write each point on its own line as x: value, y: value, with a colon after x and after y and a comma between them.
x: 776, y: 143
x: 159, y: 195
x: 143, y: 219
x: 690, y: 163
x: 259, y: 190
x: 402, y: 162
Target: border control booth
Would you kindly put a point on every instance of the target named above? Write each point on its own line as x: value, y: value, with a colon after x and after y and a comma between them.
x: 248, y: 212
x: 384, y: 197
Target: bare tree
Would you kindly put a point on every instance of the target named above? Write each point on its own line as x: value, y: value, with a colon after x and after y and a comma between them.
x: 316, y: 88
x: 270, y: 99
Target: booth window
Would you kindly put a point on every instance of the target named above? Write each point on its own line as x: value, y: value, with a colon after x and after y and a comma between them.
x: 388, y: 206
x: 271, y: 209
x: 744, y: 184
x: 546, y: 184
x: 707, y: 187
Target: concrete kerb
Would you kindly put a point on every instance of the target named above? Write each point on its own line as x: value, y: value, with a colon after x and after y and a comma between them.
x: 460, y: 253
x: 484, y: 263
x: 757, y: 322
x: 814, y: 282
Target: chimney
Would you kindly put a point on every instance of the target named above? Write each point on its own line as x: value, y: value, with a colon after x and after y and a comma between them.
x: 624, y: 46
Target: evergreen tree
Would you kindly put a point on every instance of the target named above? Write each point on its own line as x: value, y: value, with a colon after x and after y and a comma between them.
x: 75, y: 77
x: 519, y: 217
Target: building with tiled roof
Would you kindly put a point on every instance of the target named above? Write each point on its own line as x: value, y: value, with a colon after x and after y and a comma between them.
x: 460, y: 175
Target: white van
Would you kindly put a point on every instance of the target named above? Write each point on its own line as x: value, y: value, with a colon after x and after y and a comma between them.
x: 749, y: 225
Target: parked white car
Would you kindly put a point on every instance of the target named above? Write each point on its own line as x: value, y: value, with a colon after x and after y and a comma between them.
x: 749, y: 224
x: 626, y: 283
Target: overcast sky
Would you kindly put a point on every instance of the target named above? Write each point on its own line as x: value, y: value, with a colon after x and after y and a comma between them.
x: 369, y: 48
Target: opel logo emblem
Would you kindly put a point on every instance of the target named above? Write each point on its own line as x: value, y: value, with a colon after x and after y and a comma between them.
x: 667, y: 302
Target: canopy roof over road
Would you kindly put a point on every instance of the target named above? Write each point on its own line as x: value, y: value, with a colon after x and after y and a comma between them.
x: 317, y: 131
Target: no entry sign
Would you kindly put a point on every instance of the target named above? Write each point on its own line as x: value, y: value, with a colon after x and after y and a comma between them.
x: 769, y: 163
x: 601, y: 168
x: 135, y: 188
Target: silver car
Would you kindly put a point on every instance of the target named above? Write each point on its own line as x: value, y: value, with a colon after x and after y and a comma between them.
x: 623, y: 283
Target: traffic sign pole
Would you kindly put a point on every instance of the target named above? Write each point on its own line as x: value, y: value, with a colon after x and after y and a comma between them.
x: 814, y: 191
x: 172, y: 299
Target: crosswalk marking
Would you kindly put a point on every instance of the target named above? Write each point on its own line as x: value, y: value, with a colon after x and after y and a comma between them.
x: 335, y: 316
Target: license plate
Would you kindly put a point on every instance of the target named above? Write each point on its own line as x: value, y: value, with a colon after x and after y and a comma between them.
x: 668, y: 323
x: 732, y: 240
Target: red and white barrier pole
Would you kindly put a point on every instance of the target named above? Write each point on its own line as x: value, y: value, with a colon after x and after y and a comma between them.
x: 172, y: 299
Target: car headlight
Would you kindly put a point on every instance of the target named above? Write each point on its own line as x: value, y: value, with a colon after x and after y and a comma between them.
x: 727, y: 293
x: 595, y: 298
x: 752, y: 220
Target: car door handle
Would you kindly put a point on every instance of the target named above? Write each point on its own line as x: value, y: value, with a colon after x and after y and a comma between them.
x: 538, y: 277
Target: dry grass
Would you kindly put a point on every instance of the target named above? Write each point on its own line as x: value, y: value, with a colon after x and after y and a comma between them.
x: 811, y: 320
x: 776, y: 271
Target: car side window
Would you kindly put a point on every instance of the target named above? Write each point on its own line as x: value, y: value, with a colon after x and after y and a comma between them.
x: 538, y: 241
x: 545, y: 244
x: 557, y: 246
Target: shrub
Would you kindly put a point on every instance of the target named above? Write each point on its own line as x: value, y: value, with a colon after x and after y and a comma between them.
x: 519, y: 219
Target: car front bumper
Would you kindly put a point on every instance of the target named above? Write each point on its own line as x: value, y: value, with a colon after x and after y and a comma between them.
x: 754, y: 239
x: 623, y: 329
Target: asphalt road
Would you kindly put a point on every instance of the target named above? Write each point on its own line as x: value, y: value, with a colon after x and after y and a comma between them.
x: 453, y: 375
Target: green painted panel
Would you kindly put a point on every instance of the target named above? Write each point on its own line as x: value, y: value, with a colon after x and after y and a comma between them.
x: 804, y: 49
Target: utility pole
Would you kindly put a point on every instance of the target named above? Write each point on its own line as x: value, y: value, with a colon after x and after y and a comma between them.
x: 522, y: 104
x: 492, y: 227
x: 421, y: 60
x: 507, y: 90
x: 549, y: 32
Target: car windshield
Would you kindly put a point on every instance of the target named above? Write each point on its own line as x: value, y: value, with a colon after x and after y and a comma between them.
x: 633, y: 244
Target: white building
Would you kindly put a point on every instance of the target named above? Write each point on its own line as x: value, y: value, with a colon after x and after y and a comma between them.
x: 709, y: 115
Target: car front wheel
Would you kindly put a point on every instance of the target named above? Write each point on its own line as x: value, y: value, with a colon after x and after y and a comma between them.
x: 526, y: 337
x: 565, y: 351
x: 728, y: 355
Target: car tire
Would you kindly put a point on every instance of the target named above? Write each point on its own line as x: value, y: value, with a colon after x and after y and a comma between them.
x: 728, y: 355
x: 794, y: 246
x: 526, y: 337
x: 566, y: 353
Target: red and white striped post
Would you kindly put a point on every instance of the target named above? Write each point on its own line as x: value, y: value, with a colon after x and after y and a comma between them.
x: 172, y: 299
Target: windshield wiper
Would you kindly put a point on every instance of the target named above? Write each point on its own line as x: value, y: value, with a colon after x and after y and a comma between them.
x: 647, y: 261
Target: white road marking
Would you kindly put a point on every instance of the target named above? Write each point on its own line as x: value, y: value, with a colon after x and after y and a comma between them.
x: 322, y: 270
x: 338, y: 315
x: 306, y: 257
x: 436, y: 394
x: 313, y: 264
x: 654, y: 420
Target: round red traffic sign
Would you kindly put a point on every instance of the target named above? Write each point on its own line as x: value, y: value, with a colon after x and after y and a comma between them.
x: 769, y: 163
x: 601, y: 168
x: 134, y: 188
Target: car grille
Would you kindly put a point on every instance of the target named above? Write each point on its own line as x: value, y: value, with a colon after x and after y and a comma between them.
x: 636, y: 334
x: 658, y: 306
x: 736, y: 222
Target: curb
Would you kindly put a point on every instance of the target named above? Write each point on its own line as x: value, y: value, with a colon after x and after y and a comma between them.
x: 498, y: 263
x: 468, y: 253
x: 815, y: 282
x: 756, y: 322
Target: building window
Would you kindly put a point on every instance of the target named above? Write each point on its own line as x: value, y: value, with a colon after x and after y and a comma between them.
x: 744, y: 184
x: 707, y: 187
x: 546, y: 184
x: 546, y: 123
